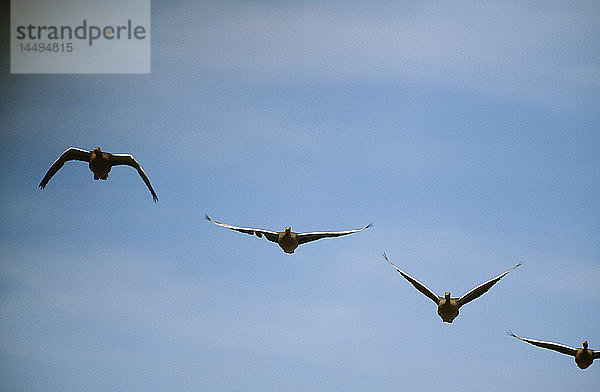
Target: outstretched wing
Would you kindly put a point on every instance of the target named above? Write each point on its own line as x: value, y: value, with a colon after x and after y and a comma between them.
x: 270, y: 235
x: 70, y: 154
x: 482, y: 288
x: 561, y: 348
x: 418, y: 285
x: 596, y: 354
x: 126, y: 159
x: 317, y: 235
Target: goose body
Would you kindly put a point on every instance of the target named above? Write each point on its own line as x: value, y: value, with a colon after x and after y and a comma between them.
x: 448, y: 307
x: 100, y: 164
x: 583, y: 356
x: 287, y: 240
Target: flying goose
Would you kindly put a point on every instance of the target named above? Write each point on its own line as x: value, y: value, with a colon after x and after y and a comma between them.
x: 288, y: 240
x: 447, y: 306
x: 583, y: 356
x: 100, y: 164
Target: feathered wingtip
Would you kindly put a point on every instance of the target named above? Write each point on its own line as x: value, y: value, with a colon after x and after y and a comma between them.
x: 510, y: 333
x: 207, y: 218
x: 369, y: 225
x: 388, y: 260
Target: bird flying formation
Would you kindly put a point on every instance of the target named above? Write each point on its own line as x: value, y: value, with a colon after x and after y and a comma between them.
x: 100, y: 163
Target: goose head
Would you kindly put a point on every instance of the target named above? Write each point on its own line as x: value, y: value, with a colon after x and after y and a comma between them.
x: 97, y: 150
x: 288, y: 230
x: 585, y: 345
x: 447, y: 295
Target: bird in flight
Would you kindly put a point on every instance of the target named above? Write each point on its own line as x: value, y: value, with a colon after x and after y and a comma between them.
x: 288, y: 240
x: 583, y: 356
x: 100, y: 164
x: 447, y: 306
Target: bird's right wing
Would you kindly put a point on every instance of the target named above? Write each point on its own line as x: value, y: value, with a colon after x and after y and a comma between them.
x: 482, y: 288
x: 70, y: 154
x: 317, y: 235
x: 418, y: 285
x: 129, y: 160
x: 270, y: 235
x: 561, y: 348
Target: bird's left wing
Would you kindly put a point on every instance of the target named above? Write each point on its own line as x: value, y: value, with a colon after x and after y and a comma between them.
x: 313, y: 236
x: 270, y: 235
x: 126, y: 159
x: 70, y: 154
x: 561, y: 348
x: 482, y: 288
x: 418, y: 285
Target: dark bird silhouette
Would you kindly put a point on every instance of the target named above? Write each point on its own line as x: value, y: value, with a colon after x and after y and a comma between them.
x: 288, y: 240
x: 583, y: 356
x: 447, y: 306
x: 100, y: 164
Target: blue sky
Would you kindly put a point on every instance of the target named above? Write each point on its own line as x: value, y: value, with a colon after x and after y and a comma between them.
x: 469, y: 133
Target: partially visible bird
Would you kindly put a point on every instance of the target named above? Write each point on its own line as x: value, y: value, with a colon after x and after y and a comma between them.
x: 288, y: 240
x: 447, y: 306
x: 583, y: 356
x: 100, y: 164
